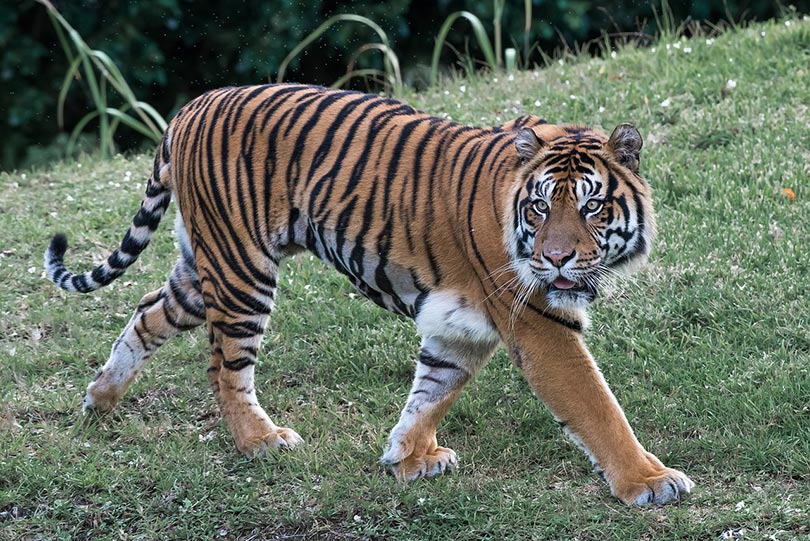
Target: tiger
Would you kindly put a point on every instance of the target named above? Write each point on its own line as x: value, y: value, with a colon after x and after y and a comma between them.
x: 481, y: 235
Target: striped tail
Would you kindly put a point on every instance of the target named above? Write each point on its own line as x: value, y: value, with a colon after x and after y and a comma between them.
x: 153, y: 207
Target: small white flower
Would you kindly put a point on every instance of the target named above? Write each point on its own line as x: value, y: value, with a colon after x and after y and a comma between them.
x: 601, y: 109
x: 463, y: 89
x: 653, y: 49
x: 687, y: 50
x: 78, y: 165
x: 561, y: 62
x: 494, y: 79
x: 677, y: 45
x: 248, y: 479
x: 740, y: 506
x: 446, y: 92
x: 762, y: 33
x: 612, y: 54
x: 787, y: 23
x: 23, y: 176
x: 709, y: 41
x: 571, y: 97
x: 537, y: 103
x: 69, y: 198
x: 731, y: 84
x: 666, y: 103
x: 511, y: 77
x: 32, y: 270
x: 420, y: 501
x: 358, y: 518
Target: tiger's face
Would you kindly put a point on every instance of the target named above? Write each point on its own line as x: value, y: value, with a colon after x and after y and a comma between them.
x: 579, y: 211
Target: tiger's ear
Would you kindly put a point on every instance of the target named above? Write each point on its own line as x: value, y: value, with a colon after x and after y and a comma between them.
x: 625, y: 143
x: 527, y: 144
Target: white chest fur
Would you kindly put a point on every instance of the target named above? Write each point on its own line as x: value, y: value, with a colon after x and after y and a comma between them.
x: 449, y: 316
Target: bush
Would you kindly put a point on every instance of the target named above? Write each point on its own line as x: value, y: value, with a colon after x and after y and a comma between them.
x: 173, y: 50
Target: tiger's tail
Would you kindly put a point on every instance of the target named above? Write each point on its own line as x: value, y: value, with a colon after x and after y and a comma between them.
x: 153, y: 207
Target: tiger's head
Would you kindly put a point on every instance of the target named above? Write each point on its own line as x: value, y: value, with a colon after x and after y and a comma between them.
x: 579, y: 211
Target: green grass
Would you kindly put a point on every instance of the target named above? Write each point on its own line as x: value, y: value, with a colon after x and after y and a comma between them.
x: 708, y: 349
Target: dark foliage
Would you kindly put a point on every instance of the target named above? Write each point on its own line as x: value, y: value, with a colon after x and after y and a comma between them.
x: 172, y: 50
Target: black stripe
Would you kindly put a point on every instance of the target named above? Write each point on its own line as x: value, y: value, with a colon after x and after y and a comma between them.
x: 241, y: 329
x: 238, y: 364
x: 428, y: 359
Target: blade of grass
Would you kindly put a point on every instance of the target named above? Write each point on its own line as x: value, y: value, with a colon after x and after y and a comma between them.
x: 133, y: 123
x: 83, y: 66
x: 496, y: 25
x: 78, y: 129
x: 480, y: 35
x: 72, y: 73
x: 369, y: 72
x: 527, y: 28
x: 345, y: 17
x: 116, y: 78
x: 371, y: 47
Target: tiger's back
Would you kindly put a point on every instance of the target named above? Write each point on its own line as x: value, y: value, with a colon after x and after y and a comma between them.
x: 359, y: 180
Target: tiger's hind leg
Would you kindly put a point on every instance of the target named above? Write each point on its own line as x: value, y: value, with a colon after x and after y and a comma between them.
x: 237, y: 310
x: 161, y: 314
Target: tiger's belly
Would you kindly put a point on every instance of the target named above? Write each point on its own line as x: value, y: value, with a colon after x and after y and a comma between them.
x: 383, y: 280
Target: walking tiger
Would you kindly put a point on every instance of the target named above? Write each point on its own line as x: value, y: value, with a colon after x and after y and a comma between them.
x: 482, y: 236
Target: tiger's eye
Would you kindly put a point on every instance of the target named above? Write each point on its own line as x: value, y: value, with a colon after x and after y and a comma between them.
x: 593, y: 205
x: 541, y: 207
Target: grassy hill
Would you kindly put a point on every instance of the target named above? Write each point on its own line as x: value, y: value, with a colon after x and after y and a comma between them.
x: 708, y: 349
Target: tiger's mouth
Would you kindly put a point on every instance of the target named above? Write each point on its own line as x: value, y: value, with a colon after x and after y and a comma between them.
x: 561, y: 282
x: 563, y: 292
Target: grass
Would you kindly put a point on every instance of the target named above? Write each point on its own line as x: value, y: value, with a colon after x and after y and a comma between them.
x: 708, y: 349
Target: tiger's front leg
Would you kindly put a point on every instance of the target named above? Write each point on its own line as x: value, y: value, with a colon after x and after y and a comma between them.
x: 457, y: 341
x: 559, y: 368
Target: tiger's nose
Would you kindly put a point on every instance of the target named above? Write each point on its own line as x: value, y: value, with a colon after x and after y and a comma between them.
x: 558, y: 258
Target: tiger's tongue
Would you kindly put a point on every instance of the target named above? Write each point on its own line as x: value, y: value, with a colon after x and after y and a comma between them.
x: 563, y: 283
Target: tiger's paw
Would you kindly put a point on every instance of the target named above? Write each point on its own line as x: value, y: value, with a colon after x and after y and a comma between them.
x: 658, y: 487
x: 277, y: 438
x: 431, y: 464
x: 99, y: 400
